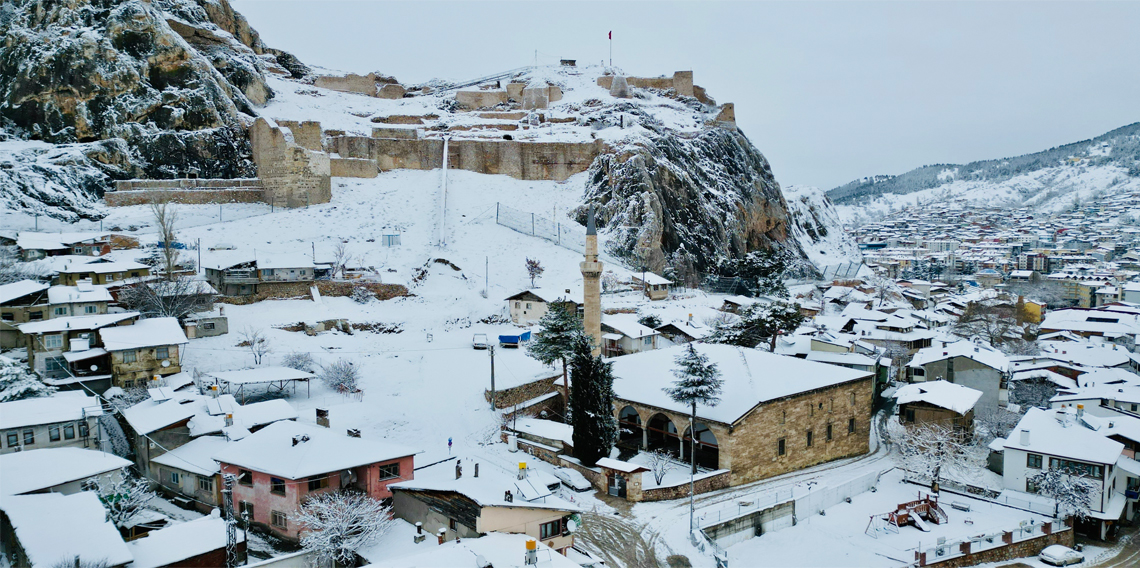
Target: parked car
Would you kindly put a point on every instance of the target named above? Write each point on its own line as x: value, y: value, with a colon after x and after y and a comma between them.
x: 479, y: 341
x: 1059, y: 555
x: 573, y: 479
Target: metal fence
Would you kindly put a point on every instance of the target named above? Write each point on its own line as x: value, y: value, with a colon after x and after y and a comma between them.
x: 571, y: 237
x: 742, y: 506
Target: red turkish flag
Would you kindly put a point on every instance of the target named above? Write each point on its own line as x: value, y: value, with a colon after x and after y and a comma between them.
x: 611, y: 35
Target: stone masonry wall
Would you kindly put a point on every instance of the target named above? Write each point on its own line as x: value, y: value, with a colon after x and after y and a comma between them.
x: 506, y: 398
x: 520, y: 160
x: 712, y: 483
x: 353, y: 167
x: 681, y: 81
x: 306, y: 134
x: 190, y: 191
x: 293, y: 176
x: 1029, y: 547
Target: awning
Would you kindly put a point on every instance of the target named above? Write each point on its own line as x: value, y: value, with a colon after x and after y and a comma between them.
x: 73, y: 356
x: 1114, y: 510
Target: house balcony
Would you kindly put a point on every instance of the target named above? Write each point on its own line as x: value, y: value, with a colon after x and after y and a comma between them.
x: 239, y: 277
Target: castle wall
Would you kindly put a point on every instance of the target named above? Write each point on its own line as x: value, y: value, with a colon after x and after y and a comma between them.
x: 188, y: 191
x: 292, y: 175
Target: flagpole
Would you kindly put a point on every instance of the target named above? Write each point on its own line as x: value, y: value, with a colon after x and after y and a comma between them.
x: 611, y: 49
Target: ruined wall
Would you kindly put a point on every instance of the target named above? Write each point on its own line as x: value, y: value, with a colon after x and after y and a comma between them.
x: 681, y: 81
x: 352, y: 167
x: 350, y: 83
x: 293, y: 176
x: 306, y: 134
x: 520, y: 160
x: 189, y: 191
x: 480, y: 99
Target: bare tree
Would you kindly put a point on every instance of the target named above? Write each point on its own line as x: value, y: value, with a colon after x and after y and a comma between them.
x: 534, y: 269
x: 1032, y: 392
x: 176, y: 298
x: 165, y: 218
x: 993, y: 422
x: 1071, y: 491
x: 932, y: 451
x: 341, y: 376
x: 11, y: 270
x: 254, y: 339
x: 341, y: 258
x: 80, y: 562
x: 123, y: 497
x: 300, y: 360
x: 342, y: 522
x: 660, y: 463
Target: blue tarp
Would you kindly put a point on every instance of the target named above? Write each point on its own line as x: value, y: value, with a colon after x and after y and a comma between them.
x: 514, y: 339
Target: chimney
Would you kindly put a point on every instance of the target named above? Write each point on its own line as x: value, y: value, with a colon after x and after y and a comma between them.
x: 1080, y: 411
x: 323, y: 417
x: 522, y: 470
x: 442, y: 535
x: 300, y: 438
x: 476, y: 469
x: 419, y: 528
x: 508, y: 497
x: 229, y: 420
x: 353, y: 432
x: 1025, y: 437
x: 531, y: 552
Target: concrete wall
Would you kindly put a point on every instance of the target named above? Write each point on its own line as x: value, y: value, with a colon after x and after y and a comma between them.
x: 520, y: 160
x: 293, y: 176
x: 1025, y: 548
x: 42, y: 436
x: 187, y: 484
x: 970, y: 373
x: 744, y: 527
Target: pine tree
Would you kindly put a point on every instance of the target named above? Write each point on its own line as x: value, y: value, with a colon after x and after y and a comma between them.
x: 759, y: 322
x: 591, y: 403
x: 17, y: 383
x: 555, y: 341
x: 698, y: 382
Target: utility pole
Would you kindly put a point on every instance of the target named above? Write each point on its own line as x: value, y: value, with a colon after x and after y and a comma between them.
x: 231, y: 525
x: 199, y: 251
x: 486, y: 275
x: 491, y: 347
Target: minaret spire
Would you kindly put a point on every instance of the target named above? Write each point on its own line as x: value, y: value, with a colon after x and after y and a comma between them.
x: 592, y: 285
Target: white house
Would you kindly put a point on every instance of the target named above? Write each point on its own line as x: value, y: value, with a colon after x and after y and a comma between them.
x: 56, y: 470
x: 622, y: 335
x: 529, y: 306
x: 66, y: 419
x: 966, y: 363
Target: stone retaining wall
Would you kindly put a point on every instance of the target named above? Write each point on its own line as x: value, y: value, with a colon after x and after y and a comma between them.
x: 330, y: 288
x: 1028, y: 547
x: 711, y: 483
x: 520, y: 160
x: 506, y: 398
x: 185, y: 196
x: 352, y: 167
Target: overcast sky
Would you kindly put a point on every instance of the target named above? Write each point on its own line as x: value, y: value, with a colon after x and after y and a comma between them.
x: 828, y: 91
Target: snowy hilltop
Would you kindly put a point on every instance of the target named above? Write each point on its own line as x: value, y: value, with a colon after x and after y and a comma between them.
x: 817, y: 227
x: 1048, y: 181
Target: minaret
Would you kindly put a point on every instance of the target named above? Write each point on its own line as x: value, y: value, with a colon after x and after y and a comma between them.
x: 592, y: 285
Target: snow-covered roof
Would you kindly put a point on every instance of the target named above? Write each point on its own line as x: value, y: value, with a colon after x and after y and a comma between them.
x: 75, y: 294
x: 618, y: 465
x: 627, y: 325
x: 150, y: 415
x: 272, y: 450
x: 1057, y: 433
x: 651, y: 278
x: 1120, y: 393
x: 489, y: 489
x: 195, y: 456
x: 55, y: 529
x: 68, y: 406
x: 75, y: 323
x: 185, y: 288
x: 248, y: 416
x: 954, y: 397
x: 33, y: 470
x: 28, y: 240
x: 1084, y: 354
x: 173, y: 544
x: 1109, y: 377
x: 103, y: 267
x: 834, y: 358
x: 149, y: 332
x: 548, y: 429
x: 750, y: 377
x: 260, y: 375
x: 16, y: 290
x: 983, y: 354
x: 284, y: 260
x: 73, y: 356
x: 1055, y: 378
x: 497, y: 549
x: 556, y: 292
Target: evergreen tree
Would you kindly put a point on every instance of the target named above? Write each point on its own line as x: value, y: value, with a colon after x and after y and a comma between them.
x: 17, y: 383
x: 698, y: 382
x: 555, y: 341
x: 591, y: 403
x: 762, y: 272
x: 760, y: 322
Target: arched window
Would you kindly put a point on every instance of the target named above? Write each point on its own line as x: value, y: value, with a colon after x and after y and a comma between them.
x: 629, y: 427
x: 662, y: 434
x: 708, y: 451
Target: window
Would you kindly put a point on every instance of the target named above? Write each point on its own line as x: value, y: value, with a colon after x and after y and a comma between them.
x: 130, y: 356
x: 53, y: 341
x: 35, y: 316
x: 550, y: 530
x: 69, y: 432
x: 61, y: 311
x: 8, y: 316
x: 135, y: 274
x: 13, y: 439
x: 83, y: 429
x: 518, y: 305
x: 53, y: 433
x: 830, y: 404
x: 1031, y: 487
x: 205, y: 484
x: 648, y: 340
x: 318, y: 483
x: 829, y: 432
x: 1033, y: 461
x: 451, y: 524
x: 276, y: 486
x: 388, y: 471
x: 208, y: 325
x: 852, y: 399
x: 128, y: 385
x: 1077, y: 468
x: 781, y: 447
x: 278, y: 519
x: 811, y: 409
x: 162, y: 352
x: 783, y: 416
x: 850, y: 425
x: 29, y: 437
x: 245, y: 509
x: 809, y: 438
x: 245, y: 477
x: 55, y: 364
x: 528, y: 305
x: 90, y: 309
x: 175, y: 478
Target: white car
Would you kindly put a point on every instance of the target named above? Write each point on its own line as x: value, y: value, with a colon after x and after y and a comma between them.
x: 479, y: 341
x: 1058, y: 555
x: 573, y: 479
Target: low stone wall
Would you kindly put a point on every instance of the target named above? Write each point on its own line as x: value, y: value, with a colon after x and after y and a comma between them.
x: 711, y: 483
x: 1028, y: 547
x: 140, y: 184
x: 286, y: 290
x: 681, y: 81
x: 521, y: 160
x: 506, y: 398
x: 185, y: 196
x: 402, y: 133
x: 480, y: 99
x: 352, y: 167
x: 333, y: 288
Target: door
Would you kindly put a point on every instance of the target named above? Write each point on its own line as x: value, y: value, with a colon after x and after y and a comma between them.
x: 617, y: 486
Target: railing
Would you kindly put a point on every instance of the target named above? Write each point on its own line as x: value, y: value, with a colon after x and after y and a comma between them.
x: 742, y: 507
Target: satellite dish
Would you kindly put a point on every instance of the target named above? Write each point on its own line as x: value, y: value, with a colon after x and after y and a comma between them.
x: 166, y: 363
x: 94, y: 367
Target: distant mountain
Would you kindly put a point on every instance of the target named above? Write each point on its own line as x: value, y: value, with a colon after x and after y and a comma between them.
x: 1049, y: 180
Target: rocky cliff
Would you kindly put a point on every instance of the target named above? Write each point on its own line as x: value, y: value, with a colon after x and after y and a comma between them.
x: 681, y: 203
x: 170, y: 85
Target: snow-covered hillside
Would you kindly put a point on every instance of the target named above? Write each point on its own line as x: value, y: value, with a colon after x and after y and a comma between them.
x: 1049, y: 181
x: 816, y: 225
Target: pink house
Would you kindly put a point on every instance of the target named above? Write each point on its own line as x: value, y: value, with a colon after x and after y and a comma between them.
x: 279, y: 466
